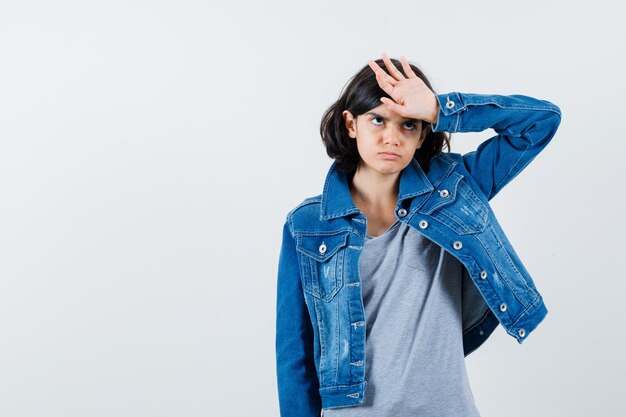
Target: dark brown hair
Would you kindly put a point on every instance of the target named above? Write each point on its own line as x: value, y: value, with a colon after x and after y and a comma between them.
x: 362, y: 94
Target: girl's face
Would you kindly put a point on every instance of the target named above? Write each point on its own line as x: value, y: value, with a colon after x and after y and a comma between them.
x: 385, y: 140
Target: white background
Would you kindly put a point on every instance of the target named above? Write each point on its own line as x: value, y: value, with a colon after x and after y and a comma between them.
x: 150, y: 150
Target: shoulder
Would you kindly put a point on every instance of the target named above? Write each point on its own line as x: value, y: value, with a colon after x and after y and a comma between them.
x: 442, y: 164
x: 309, y: 208
x: 446, y: 158
x: 450, y: 162
x: 305, y: 205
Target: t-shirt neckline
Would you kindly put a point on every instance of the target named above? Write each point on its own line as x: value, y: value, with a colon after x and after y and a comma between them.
x: 386, y: 231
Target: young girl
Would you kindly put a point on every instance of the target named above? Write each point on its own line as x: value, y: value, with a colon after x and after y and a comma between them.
x: 402, y: 249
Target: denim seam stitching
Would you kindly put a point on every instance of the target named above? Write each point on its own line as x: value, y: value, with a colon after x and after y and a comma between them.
x: 512, y: 106
x: 306, y: 202
x: 321, y: 332
x: 337, y: 337
x: 525, y: 312
x: 513, y: 166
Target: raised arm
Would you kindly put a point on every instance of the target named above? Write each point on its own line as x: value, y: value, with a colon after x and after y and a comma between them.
x: 298, y: 385
x: 524, y: 126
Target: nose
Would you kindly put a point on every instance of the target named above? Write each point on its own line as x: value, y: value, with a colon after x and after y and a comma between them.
x: 391, y: 137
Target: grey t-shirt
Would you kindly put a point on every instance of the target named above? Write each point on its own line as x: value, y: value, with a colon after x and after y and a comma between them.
x: 415, y: 366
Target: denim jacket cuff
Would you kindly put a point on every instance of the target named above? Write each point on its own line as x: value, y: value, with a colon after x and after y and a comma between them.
x: 450, y: 105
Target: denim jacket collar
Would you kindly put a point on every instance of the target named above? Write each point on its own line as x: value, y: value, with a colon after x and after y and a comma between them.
x: 413, y: 182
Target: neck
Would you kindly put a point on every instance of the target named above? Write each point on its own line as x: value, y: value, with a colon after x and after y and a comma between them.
x: 374, y: 189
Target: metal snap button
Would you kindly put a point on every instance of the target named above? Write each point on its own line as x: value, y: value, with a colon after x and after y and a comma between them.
x: 521, y: 332
x: 444, y: 193
x: 483, y: 274
x: 503, y: 307
x: 402, y: 212
x: 449, y: 103
x: 322, y: 248
x: 457, y: 244
x: 423, y: 224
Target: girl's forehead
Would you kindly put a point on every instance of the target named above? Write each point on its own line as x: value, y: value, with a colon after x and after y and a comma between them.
x: 382, y: 111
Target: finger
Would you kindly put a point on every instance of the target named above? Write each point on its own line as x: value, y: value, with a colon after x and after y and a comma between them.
x: 407, y: 68
x: 393, y: 106
x: 392, y: 68
x: 381, y: 75
x: 385, y: 82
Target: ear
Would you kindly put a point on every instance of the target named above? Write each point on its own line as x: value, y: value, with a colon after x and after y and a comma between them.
x: 350, y: 123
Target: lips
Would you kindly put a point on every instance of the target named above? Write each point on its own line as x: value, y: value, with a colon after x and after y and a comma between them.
x: 389, y: 156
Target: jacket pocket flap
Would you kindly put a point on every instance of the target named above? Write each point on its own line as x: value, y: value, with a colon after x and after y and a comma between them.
x: 321, y: 247
x: 444, y: 194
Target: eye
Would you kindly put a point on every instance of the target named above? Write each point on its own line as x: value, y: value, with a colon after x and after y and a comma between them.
x: 408, y: 125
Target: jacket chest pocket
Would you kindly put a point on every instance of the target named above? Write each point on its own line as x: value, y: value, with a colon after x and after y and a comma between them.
x: 321, y: 263
x: 456, y: 205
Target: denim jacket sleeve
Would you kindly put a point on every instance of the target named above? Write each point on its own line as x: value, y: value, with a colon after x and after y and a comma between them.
x: 524, y: 126
x: 298, y: 386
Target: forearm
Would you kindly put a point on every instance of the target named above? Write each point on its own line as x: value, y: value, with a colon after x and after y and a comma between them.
x: 524, y: 126
x: 518, y: 115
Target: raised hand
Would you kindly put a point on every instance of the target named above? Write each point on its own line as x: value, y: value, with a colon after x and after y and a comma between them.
x: 411, y: 96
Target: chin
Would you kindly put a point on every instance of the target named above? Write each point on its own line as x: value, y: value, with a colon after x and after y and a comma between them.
x: 387, y: 166
x: 391, y: 170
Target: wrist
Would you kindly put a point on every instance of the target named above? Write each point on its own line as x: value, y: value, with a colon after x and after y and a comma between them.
x: 435, y: 113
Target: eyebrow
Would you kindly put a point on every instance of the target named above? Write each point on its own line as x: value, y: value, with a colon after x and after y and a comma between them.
x: 371, y: 113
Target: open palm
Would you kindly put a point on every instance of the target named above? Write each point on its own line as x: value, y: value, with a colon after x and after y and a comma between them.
x: 411, y: 96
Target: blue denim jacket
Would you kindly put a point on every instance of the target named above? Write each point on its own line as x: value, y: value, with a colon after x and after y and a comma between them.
x: 320, y: 321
